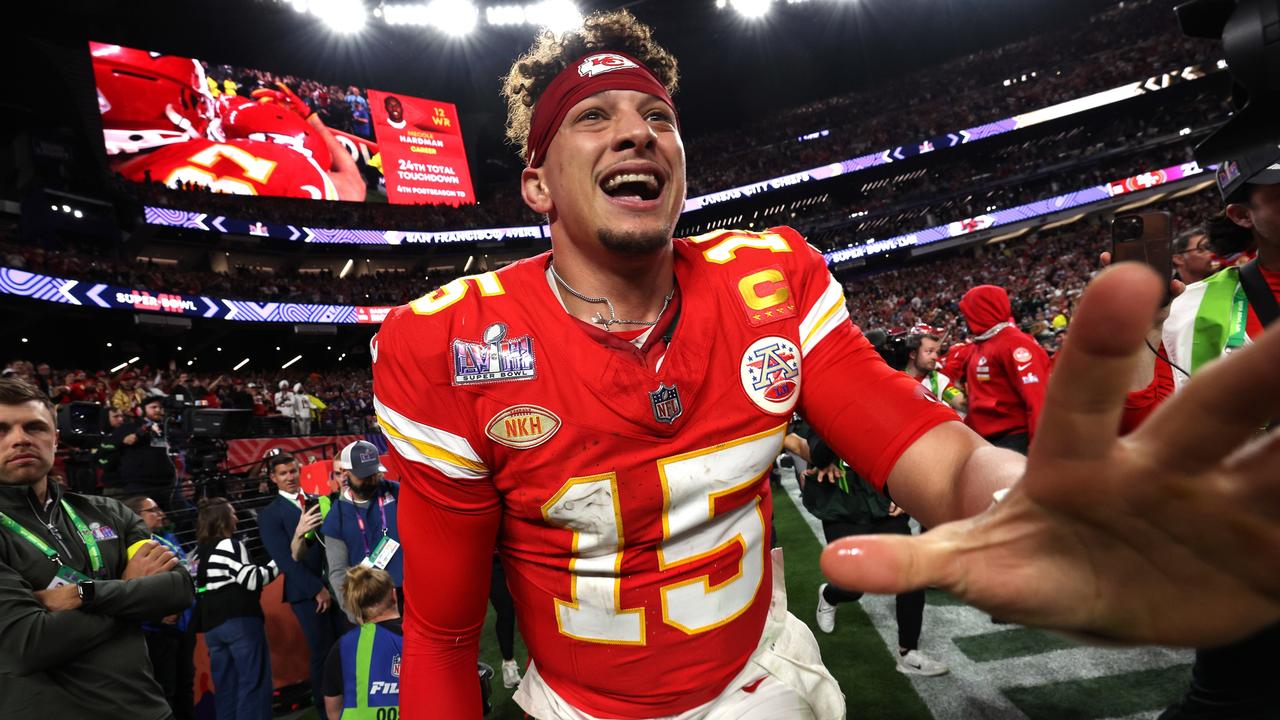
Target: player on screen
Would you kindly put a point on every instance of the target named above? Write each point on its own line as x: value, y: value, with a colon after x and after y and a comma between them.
x: 161, y: 124
x: 606, y: 414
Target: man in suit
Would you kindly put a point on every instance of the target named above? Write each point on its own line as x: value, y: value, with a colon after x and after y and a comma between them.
x: 304, y: 581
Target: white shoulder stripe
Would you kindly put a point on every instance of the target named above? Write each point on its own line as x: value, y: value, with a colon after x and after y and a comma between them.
x: 442, y: 450
x: 826, y: 315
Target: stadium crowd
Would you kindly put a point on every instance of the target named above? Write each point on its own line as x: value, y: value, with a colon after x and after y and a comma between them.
x: 1044, y: 273
x: 331, y: 402
x: 1103, y: 56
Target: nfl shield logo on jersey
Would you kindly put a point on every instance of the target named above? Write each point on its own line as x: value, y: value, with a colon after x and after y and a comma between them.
x: 771, y: 374
x: 495, y: 359
x: 666, y: 404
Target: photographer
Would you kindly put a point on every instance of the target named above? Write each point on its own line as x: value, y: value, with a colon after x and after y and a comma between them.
x: 145, y: 467
x: 78, y: 574
x: 107, y: 455
x: 1206, y: 322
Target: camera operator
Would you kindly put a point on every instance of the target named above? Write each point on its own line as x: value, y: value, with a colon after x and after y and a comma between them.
x: 107, y: 455
x: 922, y: 364
x: 78, y: 574
x: 1207, y: 321
x: 145, y: 467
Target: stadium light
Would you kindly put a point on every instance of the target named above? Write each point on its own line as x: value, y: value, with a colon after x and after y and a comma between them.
x: 505, y: 15
x: 342, y: 16
x: 456, y: 18
x: 410, y: 14
x: 119, y: 367
x: 751, y: 9
x: 294, y: 360
x: 240, y: 364
x: 346, y: 269
x: 78, y: 214
x: 555, y: 15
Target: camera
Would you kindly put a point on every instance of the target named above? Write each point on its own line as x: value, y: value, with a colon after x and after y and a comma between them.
x: 1247, y: 29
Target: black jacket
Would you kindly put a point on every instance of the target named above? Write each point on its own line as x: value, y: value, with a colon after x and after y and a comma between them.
x: 90, y: 662
x: 144, y: 465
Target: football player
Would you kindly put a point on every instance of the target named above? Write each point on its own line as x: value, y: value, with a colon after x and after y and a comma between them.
x: 607, y: 414
x: 162, y: 125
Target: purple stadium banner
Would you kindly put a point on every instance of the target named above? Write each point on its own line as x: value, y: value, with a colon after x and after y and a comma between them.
x: 115, y: 297
x: 78, y: 292
x: 1019, y: 213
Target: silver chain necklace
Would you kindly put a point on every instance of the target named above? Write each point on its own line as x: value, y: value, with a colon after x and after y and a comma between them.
x: 613, y: 316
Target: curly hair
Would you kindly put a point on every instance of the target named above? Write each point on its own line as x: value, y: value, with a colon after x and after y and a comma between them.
x: 532, y: 72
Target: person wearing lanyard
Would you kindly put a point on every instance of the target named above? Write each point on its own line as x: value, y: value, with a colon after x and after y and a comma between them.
x: 362, y: 672
x: 171, y: 642
x: 362, y: 529
x: 78, y: 575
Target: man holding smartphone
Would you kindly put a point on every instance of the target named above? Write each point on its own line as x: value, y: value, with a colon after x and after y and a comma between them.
x: 1208, y: 321
x: 304, y: 586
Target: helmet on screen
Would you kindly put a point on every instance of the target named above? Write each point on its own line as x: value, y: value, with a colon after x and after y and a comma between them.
x: 273, y: 122
x: 149, y: 99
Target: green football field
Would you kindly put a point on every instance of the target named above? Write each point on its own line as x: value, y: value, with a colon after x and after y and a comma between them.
x: 997, y: 671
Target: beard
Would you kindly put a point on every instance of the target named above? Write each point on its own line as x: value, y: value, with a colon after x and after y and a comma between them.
x: 634, y: 242
x: 365, y: 490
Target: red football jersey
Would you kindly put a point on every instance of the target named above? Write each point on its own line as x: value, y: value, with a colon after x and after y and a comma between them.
x: 633, y: 496
x: 1007, y: 376
x: 241, y: 167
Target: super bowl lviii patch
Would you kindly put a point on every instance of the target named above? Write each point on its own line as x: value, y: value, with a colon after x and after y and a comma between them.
x: 771, y: 374
x: 494, y: 359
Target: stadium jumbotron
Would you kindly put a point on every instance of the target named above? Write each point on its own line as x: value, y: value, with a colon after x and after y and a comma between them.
x: 498, y: 256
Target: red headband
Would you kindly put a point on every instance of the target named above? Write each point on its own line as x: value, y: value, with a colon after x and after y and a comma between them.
x: 590, y: 75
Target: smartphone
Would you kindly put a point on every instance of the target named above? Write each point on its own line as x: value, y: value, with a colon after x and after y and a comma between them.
x: 1145, y: 237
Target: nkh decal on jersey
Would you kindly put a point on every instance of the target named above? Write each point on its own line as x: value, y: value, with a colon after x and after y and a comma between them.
x: 522, y: 426
x: 771, y: 374
x: 495, y: 359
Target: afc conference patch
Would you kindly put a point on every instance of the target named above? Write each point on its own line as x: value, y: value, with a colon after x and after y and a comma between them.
x: 771, y: 374
x: 494, y: 359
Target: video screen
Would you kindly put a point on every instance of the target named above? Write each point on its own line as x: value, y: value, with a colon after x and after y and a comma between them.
x: 192, y: 125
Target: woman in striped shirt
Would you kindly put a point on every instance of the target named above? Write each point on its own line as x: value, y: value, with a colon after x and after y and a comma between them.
x: 229, y: 584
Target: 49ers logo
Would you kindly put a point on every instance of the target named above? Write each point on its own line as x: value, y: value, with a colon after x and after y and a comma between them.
x: 522, y: 426
x: 603, y: 63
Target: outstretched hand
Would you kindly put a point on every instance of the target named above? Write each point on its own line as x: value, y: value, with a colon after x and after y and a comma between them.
x: 1169, y: 535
